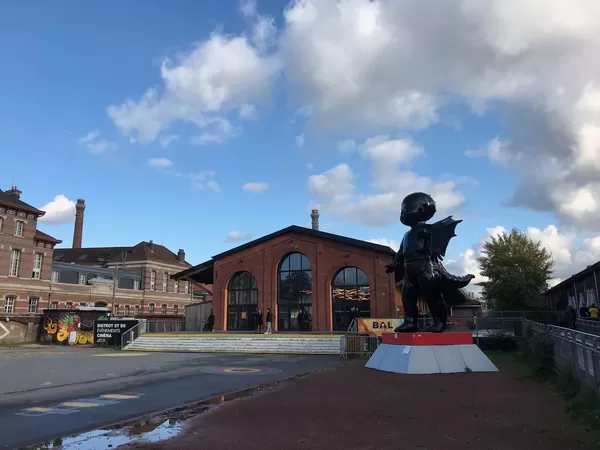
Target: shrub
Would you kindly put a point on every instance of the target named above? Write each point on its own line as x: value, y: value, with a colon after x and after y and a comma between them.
x: 539, y: 351
x: 500, y: 342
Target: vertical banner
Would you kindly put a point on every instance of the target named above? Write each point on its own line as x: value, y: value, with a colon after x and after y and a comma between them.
x: 374, y: 327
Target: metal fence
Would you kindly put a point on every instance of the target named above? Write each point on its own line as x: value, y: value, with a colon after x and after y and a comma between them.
x: 590, y: 326
x: 536, y: 316
x: 358, y: 346
x: 578, y: 351
x: 166, y: 326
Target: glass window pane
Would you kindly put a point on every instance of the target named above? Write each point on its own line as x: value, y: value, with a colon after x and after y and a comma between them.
x: 338, y: 281
x: 305, y: 263
x: 362, y: 279
x: 285, y: 265
x: 350, y: 276
x: 296, y: 261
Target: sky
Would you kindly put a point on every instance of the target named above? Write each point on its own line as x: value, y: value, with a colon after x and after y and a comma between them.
x: 202, y: 125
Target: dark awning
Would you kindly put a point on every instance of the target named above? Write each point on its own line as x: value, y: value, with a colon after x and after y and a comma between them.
x: 202, y: 273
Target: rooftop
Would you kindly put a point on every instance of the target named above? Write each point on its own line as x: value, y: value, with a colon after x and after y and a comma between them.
x: 8, y: 199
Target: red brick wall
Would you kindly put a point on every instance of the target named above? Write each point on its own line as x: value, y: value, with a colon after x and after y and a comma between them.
x: 326, y: 259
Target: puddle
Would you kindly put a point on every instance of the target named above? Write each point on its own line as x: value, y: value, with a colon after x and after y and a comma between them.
x: 151, y: 429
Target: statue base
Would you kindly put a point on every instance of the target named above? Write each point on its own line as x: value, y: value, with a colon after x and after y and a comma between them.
x: 427, y: 353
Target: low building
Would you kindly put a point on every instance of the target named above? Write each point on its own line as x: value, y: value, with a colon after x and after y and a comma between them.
x: 128, y: 280
x: 580, y: 289
x: 321, y: 276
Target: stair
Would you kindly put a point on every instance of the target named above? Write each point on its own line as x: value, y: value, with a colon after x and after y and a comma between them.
x: 205, y: 343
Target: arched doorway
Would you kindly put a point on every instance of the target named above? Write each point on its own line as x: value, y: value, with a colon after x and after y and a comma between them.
x: 351, y: 295
x: 294, y: 299
x: 242, y: 303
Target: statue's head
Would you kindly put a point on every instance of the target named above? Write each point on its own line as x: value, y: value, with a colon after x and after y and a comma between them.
x: 417, y: 207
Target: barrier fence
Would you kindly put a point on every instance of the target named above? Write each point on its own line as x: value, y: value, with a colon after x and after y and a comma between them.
x: 358, y: 346
x: 590, y: 326
x: 575, y: 350
x: 175, y: 326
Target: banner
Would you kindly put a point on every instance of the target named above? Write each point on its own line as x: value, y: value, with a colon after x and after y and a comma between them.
x: 109, y: 332
x: 374, y: 327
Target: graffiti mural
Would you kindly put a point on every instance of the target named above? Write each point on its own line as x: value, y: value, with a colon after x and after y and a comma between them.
x: 69, y: 326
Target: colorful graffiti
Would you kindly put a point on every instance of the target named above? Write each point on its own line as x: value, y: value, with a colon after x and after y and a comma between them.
x: 70, y: 327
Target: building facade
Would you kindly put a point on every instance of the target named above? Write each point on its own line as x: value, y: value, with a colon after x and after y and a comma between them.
x: 311, y: 281
x: 34, y: 274
x: 579, y: 290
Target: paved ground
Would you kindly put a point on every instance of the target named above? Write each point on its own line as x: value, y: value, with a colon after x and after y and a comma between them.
x: 54, y: 392
x: 358, y: 408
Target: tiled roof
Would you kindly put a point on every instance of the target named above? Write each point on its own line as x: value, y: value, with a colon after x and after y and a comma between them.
x: 10, y: 200
x: 41, y: 236
x: 144, y: 251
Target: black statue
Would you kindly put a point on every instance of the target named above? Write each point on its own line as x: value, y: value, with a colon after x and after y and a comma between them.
x: 418, y: 261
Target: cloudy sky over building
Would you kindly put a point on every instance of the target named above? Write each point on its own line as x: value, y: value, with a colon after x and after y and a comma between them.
x: 204, y: 124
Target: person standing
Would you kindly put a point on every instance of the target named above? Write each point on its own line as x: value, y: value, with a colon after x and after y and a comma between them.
x: 593, y: 311
x: 269, y: 321
x: 259, y: 321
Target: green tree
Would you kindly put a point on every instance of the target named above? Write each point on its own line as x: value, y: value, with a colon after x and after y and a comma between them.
x: 518, y: 269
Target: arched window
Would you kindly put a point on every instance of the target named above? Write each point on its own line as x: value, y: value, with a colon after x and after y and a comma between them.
x: 242, y: 301
x: 163, y: 309
x: 351, y: 295
x: 294, y: 298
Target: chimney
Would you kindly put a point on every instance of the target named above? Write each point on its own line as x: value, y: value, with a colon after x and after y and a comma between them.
x: 78, y: 230
x: 151, y: 245
x: 314, y: 215
x: 14, y: 191
x: 181, y: 256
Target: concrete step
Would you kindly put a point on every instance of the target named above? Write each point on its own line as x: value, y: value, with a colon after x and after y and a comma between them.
x: 329, y: 345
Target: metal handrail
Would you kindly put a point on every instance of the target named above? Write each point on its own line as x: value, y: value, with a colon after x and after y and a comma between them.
x: 125, y: 334
x: 353, y: 327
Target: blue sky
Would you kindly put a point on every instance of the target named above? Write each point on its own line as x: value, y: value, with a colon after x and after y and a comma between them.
x: 256, y: 93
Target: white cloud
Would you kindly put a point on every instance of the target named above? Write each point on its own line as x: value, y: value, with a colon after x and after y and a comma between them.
x: 238, y: 236
x: 300, y: 141
x: 94, y: 144
x: 221, y: 74
x: 346, y: 146
x: 247, y: 111
x: 160, y: 163
x: 166, y: 140
x: 335, y: 190
x: 569, y: 256
x: 201, y: 180
x: 59, y: 211
x: 256, y: 187
x: 391, y: 243
x: 359, y: 65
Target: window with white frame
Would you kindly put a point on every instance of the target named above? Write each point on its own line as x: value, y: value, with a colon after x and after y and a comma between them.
x: 55, y: 276
x: 187, y: 287
x: 152, y: 280
x: 82, y: 278
x: 33, y: 305
x: 127, y: 311
x: 163, y: 310
x: 38, y: 258
x: 9, y: 304
x: 176, y: 286
x: 116, y: 310
x: 175, y: 309
x: 165, y: 281
x: 151, y: 308
x: 1, y: 223
x: 137, y: 310
x: 15, y: 259
x: 54, y: 305
x: 136, y: 285
x: 69, y: 305
x: 19, y: 227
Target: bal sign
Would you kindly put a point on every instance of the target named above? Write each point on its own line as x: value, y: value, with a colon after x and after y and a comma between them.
x: 375, y: 327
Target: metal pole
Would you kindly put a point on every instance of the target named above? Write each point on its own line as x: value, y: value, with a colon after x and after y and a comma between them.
x: 595, y: 284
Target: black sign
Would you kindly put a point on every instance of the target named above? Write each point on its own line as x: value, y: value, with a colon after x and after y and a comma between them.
x: 109, y: 332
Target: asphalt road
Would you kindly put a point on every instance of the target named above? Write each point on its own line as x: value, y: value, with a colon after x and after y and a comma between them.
x: 49, y: 394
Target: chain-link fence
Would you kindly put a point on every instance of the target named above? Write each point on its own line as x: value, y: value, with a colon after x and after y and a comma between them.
x: 578, y: 351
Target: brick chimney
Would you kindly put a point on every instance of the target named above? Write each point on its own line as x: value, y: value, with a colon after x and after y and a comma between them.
x: 314, y: 215
x: 14, y: 191
x: 181, y: 255
x: 78, y: 230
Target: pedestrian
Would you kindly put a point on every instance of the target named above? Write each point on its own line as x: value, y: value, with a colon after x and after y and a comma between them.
x: 269, y: 321
x: 259, y: 321
x: 210, y: 323
x: 594, y: 311
x: 299, y: 319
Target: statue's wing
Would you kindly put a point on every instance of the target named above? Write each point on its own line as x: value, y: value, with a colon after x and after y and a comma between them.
x: 441, y: 233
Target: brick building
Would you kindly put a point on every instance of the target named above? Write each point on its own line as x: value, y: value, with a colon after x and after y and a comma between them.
x: 129, y: 280
x: 299, y: 269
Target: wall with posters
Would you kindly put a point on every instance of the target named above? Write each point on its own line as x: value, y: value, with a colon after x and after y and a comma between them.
x: 69, y: 326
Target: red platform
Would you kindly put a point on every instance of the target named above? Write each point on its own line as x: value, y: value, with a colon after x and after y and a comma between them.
x: 451, y: 338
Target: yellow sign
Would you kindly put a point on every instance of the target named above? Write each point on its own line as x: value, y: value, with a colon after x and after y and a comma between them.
x: 375, y: 327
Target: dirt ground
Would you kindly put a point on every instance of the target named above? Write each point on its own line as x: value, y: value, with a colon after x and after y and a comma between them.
x: 358, y: 408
